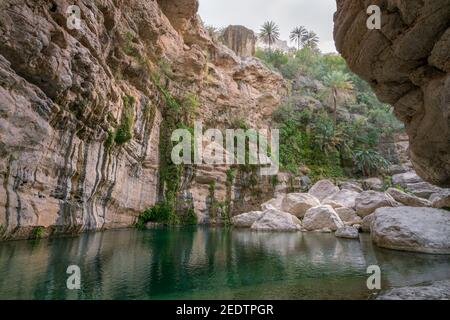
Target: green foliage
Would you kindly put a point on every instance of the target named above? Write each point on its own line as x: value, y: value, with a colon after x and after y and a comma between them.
x: 162, y: 212
x: 110, y: 139
x: 190, y: 218
x: 37, y: 233
x: 230, y: 177
x: 369, y: 162
x: 124, y: 131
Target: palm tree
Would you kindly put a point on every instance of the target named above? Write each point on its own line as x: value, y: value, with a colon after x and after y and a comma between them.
x: 297, y: 35
x: 269, y: 33
x: 336, y: 81
x: 310, y: 40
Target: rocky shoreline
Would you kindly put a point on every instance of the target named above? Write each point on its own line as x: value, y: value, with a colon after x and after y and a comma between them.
x: 396, y: 219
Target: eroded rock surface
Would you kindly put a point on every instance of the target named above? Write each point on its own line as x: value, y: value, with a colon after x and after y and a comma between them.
x: 412, y: 229
x: 407, y: 64
x: 81, y: 110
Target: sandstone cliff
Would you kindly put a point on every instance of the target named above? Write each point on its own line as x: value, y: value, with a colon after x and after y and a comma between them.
x: 83, y: 113
x: 407, y: 63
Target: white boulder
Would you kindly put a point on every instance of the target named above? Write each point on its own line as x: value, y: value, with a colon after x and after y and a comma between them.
x: 407, y: 199
x: 298, y: 203
x: 367, y: 202
x: 347, y: 232
x: 344, y: 198
x: 322, y: 218
x: 276, y: 220
x: 246, y: 220
x: 323, y: 189
x: 412, y: 229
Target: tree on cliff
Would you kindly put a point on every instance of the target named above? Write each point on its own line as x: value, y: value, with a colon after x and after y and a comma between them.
x: 269, y: 33
x: 297, y: 35
x: 336, y: 81
x: 310, y: 40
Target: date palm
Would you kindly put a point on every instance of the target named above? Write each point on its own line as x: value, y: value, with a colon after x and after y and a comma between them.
x: 310, y: 40
x: 269, y: 33
x: 297, y: 35
x: 336, y: 81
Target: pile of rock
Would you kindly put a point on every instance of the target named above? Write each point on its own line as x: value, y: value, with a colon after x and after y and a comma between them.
x: 397, y: 219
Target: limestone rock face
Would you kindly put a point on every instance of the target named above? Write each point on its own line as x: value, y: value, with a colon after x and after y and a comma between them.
x: 322, y: 219
x: 246, y: 220
x: 412, y: 229
x: 323, y: 189
x: 347, y: 232
x: 407, y: 64
x: 65, y: 94
x: 275, y: 220
x: 298, y: 203
x: 407, y: 199
x: 368, y: 201
x: 241, y: 40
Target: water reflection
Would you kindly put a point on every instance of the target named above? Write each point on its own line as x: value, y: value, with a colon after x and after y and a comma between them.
x: 202, y: 263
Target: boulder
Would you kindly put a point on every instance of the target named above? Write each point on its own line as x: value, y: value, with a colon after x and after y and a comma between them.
x: 367, y: 223
x: 298, y: 203
x: 440, y: 200
x: 438, y: 290
x: 347, y: 232
x: 276, y: 220
x: 323, y: 189
x: 403, y: 179
x: 345, y: 198
x: 422, y: 189
x: 274, y: 203
x: 424, y: 230
x: 407, y: 199
x: 246, y: 220
x: 373, y: 184
x: 368, y: 201
x: 352, y: 186
x: 322, y: 218
x: 348, y: 216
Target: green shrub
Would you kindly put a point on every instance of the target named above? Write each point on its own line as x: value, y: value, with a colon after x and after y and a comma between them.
x: 37, y: 233
x: 190, y: 218
x: 124, y: 131
x: 369, y: 162
x: 159, y: 213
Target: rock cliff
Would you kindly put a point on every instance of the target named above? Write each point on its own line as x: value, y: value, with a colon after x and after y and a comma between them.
x: 407, y: 63
x: 241, y: 40
x: 85, y: 112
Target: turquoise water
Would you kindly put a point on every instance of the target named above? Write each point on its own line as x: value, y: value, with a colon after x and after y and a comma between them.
x: 207, y: 263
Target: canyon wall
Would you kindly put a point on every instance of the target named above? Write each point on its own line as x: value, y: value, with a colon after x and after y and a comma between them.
x: 407, y: 63
x: 84, y: 112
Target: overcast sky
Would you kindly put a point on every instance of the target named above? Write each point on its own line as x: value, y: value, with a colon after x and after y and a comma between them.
x: 316, y: 15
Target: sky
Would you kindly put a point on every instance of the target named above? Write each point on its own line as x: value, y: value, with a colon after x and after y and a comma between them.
x: 315, y: 15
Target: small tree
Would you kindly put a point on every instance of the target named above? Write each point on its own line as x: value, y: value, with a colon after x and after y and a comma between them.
x: 269, y: 33
x: 335, y: 81
x: 310, y: 40
x: 297, y: 35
